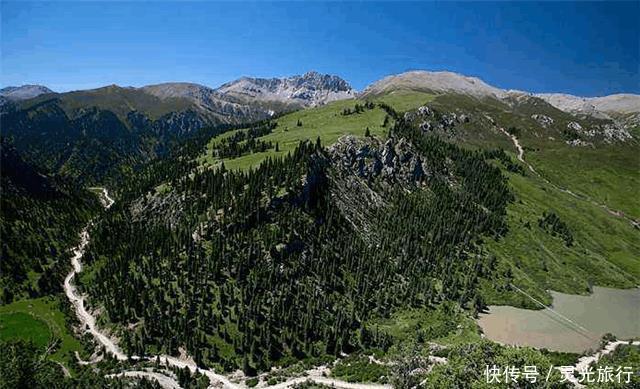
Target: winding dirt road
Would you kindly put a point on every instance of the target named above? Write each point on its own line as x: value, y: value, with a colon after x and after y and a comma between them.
x: 88, y: 322
x: 164, y: 380
x: 584, y: 362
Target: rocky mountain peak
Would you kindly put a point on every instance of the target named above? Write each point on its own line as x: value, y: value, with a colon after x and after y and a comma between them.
x: 322, y: 81
x: 309, y: 89
x: 178, y: 89
x: 24, y: 92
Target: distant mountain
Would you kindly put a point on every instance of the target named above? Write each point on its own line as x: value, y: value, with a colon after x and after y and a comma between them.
x: 92, y: 135
x: 11, y: 95
x: 622, y: 108
x: 180, y: 108
x: 207, y: 101
x: 172, y: 107
x: 17, y: 93
x: 624, y: 103
x: 308, y: 90
x: 438, y: 82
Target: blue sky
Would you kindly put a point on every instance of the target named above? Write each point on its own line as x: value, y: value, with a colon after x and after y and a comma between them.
x: 581, y: 48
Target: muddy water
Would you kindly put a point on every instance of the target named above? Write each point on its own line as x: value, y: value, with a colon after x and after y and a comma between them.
x: 607, y: 310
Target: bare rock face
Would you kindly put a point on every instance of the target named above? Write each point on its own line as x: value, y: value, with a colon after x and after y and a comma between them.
x: 543, y: 120
x: 308, y: 90
x: 574, y: 126
x: 207, y: 102
x: 363, y: 173
x: 394, y: 161
x: 169, y: 205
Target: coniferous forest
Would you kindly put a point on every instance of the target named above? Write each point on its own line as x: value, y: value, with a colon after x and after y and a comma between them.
x: 254, y: 267
x: 41, y: 217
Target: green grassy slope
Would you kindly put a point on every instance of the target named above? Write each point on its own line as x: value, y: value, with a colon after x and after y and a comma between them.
x: 607, y: 174
x: 20, y: 325
x: 604, y: 250
x: 39, y: 320
x: 325, y: 122
x: 402, y: 100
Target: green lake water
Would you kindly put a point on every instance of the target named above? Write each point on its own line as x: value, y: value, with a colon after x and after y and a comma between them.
x: 589, y: 317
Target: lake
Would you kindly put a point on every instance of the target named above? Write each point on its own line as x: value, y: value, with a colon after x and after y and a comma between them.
x: 606, y: 310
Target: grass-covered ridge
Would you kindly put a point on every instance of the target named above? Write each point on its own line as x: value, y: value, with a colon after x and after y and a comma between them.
x: 327, y: 122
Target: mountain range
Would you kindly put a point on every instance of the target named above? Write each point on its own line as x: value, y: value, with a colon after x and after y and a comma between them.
x: 618, y: 105
x: 86, y: 134
x: 250, y: 98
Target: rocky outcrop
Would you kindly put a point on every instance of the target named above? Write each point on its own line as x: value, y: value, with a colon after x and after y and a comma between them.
x: 394, y: 161
x: 578, y: 143
x: 308, y: 90
x: 362, y: 173
x: 543, y: 120
x: 574, y: 126
x: 607, y: 132
x: 614, y: 133
x: 431, y: 120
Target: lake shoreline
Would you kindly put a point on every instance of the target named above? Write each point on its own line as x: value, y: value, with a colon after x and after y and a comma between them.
x: 574, y: 323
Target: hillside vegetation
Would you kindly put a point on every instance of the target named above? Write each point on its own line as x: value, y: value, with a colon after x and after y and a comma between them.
x: 279, y: 261
x: 40, y: 220
x: 377, y: 227
x: 535, y: 259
